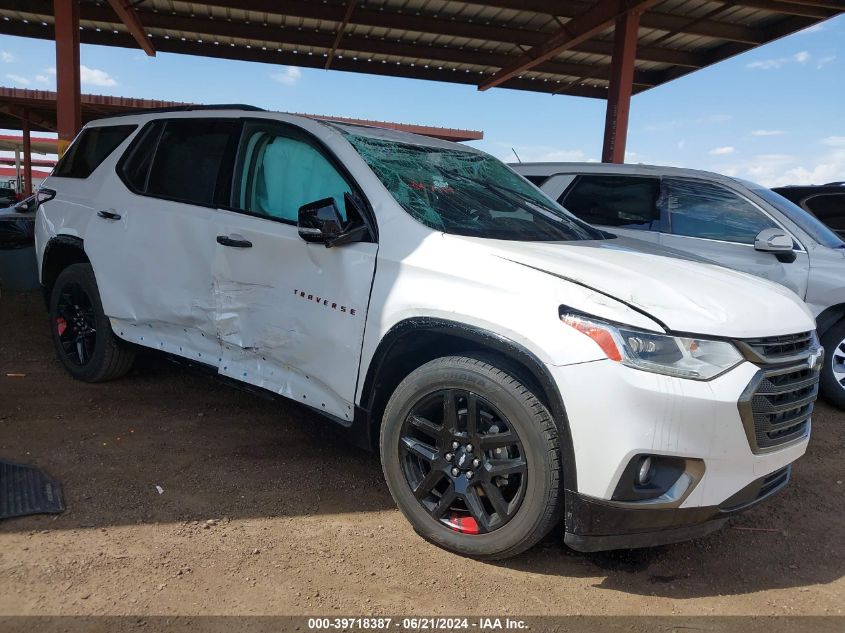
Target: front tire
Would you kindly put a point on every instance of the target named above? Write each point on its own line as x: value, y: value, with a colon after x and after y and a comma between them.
x: 472, y: 458
x: 832, y: 381
x: 82, y: 334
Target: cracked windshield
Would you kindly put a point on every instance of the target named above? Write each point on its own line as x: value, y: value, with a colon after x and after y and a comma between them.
x: 467, y: 193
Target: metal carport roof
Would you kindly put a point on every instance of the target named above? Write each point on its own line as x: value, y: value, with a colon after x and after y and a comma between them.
x: 461, y: 42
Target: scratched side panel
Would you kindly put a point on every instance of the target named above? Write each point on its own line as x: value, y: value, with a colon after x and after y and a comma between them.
x: 290, y: 315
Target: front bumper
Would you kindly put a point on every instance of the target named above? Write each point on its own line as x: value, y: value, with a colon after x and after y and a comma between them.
x: 617, y: 413
x: 594, y: 525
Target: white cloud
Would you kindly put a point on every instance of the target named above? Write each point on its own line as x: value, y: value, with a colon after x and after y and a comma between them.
x: 6, y: 57
x: 714, y: 118
x: 802, y: 57
x: 682, y: 144
x: 540, y: 154
x: 722, y: 151
x: 767, y: 133
x: 288, y: 76
x: 95, y: 77
x: 668, y: 124
x: 834, y: 141
x: 18, y: 79
x: 824, y: 61
x: 42, y: 79
x: 773, y: 170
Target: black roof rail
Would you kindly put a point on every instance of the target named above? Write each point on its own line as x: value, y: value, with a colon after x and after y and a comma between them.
x: 189, y: 107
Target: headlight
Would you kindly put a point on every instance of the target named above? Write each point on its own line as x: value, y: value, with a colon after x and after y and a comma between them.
x: 681, y: 356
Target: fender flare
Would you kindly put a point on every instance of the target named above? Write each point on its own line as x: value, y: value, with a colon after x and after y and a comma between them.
x: 484, y: 339
x: 71, y: 241
x: 829, y: 317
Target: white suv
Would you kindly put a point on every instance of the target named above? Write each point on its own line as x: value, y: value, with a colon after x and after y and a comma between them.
x: 513, y: 365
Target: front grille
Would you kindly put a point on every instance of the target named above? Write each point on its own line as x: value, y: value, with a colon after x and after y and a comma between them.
x: 777, y: 405
x: 773, y: 349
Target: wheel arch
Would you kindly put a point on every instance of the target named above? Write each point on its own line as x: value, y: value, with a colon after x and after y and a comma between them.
x: 416, y: 341
x: 829, y: 317
x: 59, y: 253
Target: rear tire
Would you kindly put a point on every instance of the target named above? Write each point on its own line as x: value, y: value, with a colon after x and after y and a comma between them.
x: 487, y: 484
x: 831, y: 384
x: 82, y: 334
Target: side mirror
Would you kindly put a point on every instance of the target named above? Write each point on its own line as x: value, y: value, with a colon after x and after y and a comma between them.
x: 319, y: 221
x: 31, y: 204
x: 777, y: 242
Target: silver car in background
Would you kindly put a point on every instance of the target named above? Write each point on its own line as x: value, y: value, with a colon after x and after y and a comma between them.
x: 733, y: 222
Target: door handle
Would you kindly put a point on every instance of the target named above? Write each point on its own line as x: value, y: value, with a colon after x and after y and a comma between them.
x: 225, y: 240
x: 108, y: 215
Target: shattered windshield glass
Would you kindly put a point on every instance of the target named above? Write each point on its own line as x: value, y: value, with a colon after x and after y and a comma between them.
x: 467, y: 193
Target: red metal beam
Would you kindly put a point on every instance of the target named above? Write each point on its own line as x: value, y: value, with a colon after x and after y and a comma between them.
x: 579, y: 29
x: 68, y: 107
x: 133, y: 24
x: 444, y: 133
x: 621, y: 83
x: 340, y: 30
x: 27, y: 156
x: 8, y: 160
x: 18, y: 112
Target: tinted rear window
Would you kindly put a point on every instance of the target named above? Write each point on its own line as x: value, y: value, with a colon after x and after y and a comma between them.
x: 135, y: 165
x: 193, y: 162
x: 91, y: 148
x: 620, y: 201
x: 829, y: 208
x: 537, y: 180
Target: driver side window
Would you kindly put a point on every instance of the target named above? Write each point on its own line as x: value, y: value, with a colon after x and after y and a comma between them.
x: 283, y: 172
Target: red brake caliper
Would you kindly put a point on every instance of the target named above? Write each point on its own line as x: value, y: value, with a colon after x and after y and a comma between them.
x: 61, y: 325
x: 464, y: 525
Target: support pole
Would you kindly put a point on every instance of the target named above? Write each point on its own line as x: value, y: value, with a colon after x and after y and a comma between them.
x: 621, y: 84
x: 27, y: 155
x: 18, y: 170
x: 68, y: 100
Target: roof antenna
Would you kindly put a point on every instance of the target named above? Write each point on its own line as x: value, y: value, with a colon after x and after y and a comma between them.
x: 515, y: 154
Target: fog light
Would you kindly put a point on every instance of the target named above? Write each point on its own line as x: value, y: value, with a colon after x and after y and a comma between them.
x: 644, y: 473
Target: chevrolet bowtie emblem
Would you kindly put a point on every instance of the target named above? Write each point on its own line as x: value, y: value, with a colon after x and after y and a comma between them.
x: 814, y: 360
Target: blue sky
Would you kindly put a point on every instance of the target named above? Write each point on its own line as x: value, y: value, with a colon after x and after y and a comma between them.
x: 774, y: 115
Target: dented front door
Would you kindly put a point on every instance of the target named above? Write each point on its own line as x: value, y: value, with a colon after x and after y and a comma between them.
x: 290, y: 315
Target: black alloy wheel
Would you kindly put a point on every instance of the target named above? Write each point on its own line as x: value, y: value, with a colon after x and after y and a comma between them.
x: 75, y: 324
x: 472, y: 456
x: 463, y: 461
x: 81, y: 332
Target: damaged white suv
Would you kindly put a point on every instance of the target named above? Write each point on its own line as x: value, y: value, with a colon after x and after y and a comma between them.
x: 514, y: 365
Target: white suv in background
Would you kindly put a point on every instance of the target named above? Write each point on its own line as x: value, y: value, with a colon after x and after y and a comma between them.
x: 512, y: 364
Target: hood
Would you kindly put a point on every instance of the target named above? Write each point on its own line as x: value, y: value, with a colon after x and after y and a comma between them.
x: 681, y: 294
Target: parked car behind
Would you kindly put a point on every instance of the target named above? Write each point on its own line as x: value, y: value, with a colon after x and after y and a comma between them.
x: 737, y: 223
x: 507, y: 359
x: 826, y: 202
x: 8, y: 197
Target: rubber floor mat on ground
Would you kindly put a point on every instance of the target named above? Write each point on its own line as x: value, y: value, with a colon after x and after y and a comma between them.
x: 27, y: 490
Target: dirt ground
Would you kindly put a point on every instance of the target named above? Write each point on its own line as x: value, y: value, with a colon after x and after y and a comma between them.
x: 265, y: 510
